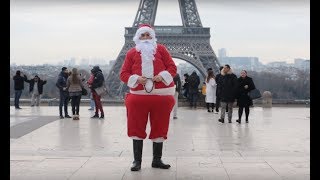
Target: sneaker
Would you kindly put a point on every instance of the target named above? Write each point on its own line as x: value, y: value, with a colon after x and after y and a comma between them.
x: 230, y: 121
x: 217, y: 110
x: 175, y: 117
x: 67, y: 116
x: 18, y: 108
x: 61, y: 117
x: 209, y: 110
x: 238, y: 121
x: 221, y: 120
x: 91, y: 109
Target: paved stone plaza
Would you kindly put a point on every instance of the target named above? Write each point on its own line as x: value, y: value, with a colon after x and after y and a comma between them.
x: 274, y: 145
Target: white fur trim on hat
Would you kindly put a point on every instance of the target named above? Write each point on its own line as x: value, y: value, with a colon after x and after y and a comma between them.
x: 142, y: 30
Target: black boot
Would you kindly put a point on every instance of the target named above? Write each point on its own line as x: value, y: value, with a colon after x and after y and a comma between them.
x: 96, y: 115
x: 137, y: 153
x: 157, y: 154
x: 221, y: 120
x: 102, y: 116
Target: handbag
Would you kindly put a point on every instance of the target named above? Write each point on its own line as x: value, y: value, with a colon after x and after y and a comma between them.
x: 102, y: 90
x: 84, y: 92
x: 254, y: 94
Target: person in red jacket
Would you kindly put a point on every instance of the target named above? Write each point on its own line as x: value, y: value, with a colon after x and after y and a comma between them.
x: 148, y: 71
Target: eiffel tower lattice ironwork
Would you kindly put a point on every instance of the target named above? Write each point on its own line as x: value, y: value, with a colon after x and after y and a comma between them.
x: 189, y: 42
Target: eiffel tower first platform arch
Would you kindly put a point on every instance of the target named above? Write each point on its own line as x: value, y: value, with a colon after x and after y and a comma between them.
x: 189, y: 42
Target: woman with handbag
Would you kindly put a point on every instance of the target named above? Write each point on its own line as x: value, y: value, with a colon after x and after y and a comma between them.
x: 74, y: 86
x: 244, y: 101
x: 98, y: 82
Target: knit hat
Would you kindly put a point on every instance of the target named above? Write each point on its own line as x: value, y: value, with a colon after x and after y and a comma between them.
x: 64, y: 68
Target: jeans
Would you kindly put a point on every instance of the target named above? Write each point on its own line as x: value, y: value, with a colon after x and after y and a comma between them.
x: 64, y: 100
x: 35, y: 99
x: 17, y: 95
x: 224, y: 106
x: 92, y: 104
x: 193, y: 99
x: 175, y: 107
x: 75, y: 104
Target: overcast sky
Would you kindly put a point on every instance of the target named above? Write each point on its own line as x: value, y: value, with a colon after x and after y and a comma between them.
x: 44, y: 31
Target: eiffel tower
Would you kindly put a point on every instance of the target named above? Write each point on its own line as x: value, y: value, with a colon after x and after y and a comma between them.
x: 189, y: 42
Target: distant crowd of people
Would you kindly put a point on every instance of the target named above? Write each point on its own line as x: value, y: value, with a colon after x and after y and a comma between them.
x: 223, y: 90
x: 71, y: 87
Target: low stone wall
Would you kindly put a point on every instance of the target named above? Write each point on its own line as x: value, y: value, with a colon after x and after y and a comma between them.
x: 182, y: 102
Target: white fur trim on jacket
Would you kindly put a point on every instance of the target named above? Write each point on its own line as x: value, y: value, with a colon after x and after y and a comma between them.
x: 132, y: 82
x: 135, y: 138
x: 167, y: 78
x: 158, y: 140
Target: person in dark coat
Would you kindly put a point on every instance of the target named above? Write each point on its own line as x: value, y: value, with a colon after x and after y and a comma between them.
x: 193, y: 83
x: 228, y: 93
x: 64, y: 95
x: 18, y: 87
x: 218, y: 92
x: 245, y: 85
x: 97, y: 82
x: 36, y: 89
x: 185, y: 86
x: 177, y: 82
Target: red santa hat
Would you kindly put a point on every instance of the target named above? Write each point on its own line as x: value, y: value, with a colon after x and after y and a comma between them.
x: 143, y: 28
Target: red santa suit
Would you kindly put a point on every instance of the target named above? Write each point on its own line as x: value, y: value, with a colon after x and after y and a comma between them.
x: 154, y: 99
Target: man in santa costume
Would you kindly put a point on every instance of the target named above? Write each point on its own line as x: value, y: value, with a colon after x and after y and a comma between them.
x: 148, y: 70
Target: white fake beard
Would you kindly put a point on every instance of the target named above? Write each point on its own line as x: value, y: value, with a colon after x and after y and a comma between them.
x: 147, y: 49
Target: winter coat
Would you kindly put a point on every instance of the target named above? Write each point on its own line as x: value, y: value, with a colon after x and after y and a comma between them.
x: 218, y: 81
x: 98, y: 78
x: 177, y: 82
x: 40, y: 85
x: 162, y: 63
x: 229, y: 86
x: 193, y: 82
x: 19, y: 82
x: 211, y: 88
x: 74, y: 87
x: 62, y: 82
x: 243, y: 98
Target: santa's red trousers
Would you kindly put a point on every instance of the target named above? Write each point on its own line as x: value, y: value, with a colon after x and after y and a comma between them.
x: 139, y: 107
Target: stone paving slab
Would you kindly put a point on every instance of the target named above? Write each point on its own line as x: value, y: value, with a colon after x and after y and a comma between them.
x: 275, y: 144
